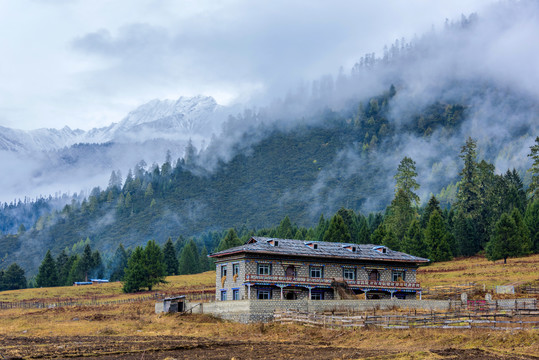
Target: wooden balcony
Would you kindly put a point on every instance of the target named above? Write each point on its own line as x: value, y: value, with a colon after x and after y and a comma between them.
x: 283, y: 280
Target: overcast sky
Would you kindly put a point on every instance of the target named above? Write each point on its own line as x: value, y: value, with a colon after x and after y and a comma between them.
x: 87, y: 63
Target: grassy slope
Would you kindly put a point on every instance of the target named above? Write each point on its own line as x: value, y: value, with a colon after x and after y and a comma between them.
x: 479, y: 270
x: 138, y: 319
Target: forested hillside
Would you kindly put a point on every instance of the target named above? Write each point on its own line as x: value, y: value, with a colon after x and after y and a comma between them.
x: 462, y: 135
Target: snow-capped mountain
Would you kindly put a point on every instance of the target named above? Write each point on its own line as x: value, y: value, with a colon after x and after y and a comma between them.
x: 166, y: 119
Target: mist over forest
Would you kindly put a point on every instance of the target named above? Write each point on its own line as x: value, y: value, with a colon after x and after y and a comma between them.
x: 329, y: 143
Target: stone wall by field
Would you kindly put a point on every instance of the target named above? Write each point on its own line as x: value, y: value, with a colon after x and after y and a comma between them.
x: 262, y: 310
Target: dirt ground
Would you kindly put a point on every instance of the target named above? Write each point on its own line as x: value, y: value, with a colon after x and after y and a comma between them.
x: 181, y: 347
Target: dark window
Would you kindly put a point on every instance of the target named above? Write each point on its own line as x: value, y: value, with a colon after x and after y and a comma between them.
x: 264, y: 294
x: 235, y: 269
x: 315, y: 246
x: 235, y: 294
x: 223, y: 270
x: 317, y: 296
x: 316, y: 272
x: 349, y: 274
x: 399, y: 275
x: 374, y: 275
x: 264, y: 269
x: 223, y: 295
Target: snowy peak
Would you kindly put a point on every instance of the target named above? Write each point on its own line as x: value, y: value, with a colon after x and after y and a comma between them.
x: 190, y: 109
x: 167, y: 119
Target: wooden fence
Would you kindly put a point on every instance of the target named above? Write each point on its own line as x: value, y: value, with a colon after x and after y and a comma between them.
x: 191, y: 295
x: 507, y: 320
x: 84, y: 302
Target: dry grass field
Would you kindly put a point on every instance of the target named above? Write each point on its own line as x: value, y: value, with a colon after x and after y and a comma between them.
x: 134, y: 331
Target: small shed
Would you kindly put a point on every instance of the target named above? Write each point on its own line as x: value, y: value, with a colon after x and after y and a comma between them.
x: 99, y: 281
x: 171, y: 304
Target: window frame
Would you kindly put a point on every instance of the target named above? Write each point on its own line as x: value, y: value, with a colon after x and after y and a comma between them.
x: 235, y: 294
x: 349, y: 270
x: 265, y: 266
x: 319, y: 295
x: 395, y: 275
x: 223, y: 270
x: 315, y: 268
x: 260, y: 294
x: 236, y: 269
x: 223, y: 295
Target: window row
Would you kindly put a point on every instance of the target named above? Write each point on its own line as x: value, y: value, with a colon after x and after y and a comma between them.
x: 235, y: 294
x: 235, y: 269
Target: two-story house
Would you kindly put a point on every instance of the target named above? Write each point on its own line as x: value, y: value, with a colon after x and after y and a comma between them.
x: 269, y: 268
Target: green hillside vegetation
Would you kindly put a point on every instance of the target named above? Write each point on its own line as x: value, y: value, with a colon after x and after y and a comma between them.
x: 275, y: 177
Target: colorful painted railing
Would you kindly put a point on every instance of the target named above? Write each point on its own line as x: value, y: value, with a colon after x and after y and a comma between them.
x: 327, y: 281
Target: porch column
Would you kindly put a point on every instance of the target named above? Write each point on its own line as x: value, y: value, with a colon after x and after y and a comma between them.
x: 281, y: 286
x: 248, y: 291
x: 365, y: 291
x: 309, y: 293
x: 392, y: 292
x: 419, y: 294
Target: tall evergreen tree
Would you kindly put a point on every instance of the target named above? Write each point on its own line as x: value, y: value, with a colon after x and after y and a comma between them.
x: 533, y: 189
x: 13, y: 278
x: 400, y: 214
x: 204, y: 260
x: 285, y: 229
x: 47, y: 275
x: 505, y: 240
x: 136, y: 272
x: 155, y: 266
x: 405, y: 176
x: 230, y: 240
x: 414, y: 243
x: 531, y: 218
x: 62, y: 267
x: 189, y: 260
x: 86, y: 261
x: 118, y: 264
x: 432, y: 205
x: 350, y: 220
x: 337, y: 231
x: 169, y: 258
x: 436, y: 238
x: 363, y: 236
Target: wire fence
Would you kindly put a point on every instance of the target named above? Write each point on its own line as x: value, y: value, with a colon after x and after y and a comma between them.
x: 514, y: 319
x: 191, y: 295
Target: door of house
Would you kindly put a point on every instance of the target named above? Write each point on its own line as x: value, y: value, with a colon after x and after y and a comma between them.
x: 374, y: 275
x: 290, y: 271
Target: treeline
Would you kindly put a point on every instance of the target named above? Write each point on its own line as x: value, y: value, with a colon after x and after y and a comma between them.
x: 138, y: 268
x: 493, y: 213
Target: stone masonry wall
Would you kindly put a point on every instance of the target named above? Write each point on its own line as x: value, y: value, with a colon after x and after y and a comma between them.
x: 262, y: 310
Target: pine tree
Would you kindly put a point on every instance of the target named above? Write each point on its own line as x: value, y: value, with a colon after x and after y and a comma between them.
x: 154, y: 265
x: 204, y: 260
x: 379, y: 234
x: 118, y: 264
x: 533, y: 189
x: 432, y: 205
x: 414, y: 243
x: 337, y: 231
x: 136, y: 272
x: 531, y: 218
x: 189, y: 260
x: 169, y: 258
x: 230, y: 240
x: 285, y: 229
x: 47, y: 275
x: 363, y: 236
x: 86, y: 261
x: 350, y: 220
x: 400, y: 214
x: 524, y: 242
x: 504, y: 242
x: 62, y: 268
x: 13, y: 278
x: 391, y: 241
x: 468, y: 193
x: 405, y: 176
x: 436, y: 238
